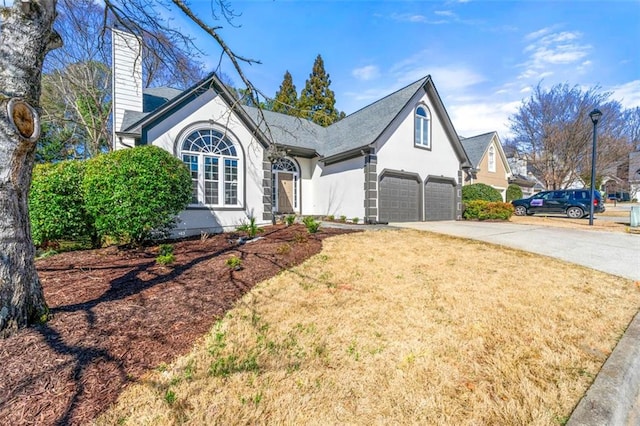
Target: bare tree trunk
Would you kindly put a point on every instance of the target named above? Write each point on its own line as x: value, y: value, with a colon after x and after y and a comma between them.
x: 26, y: 35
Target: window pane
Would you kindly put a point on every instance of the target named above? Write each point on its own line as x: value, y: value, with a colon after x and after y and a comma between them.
x: 425, y: 132
x: 418, y: 131
x: 210, y: 168
x: 211, y: 192
x: 192, y: 163
x: 211, y: 180
x: 231, y: 193
x: 230, y: 181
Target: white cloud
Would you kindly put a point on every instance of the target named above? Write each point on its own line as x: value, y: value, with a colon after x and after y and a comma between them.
x: 449, y: 79
x: 365, y: 73
x: 628, y: 94
x: 454, y: 79
x: 445, y: 13
x: 416, y: 18
x: 549, y: 49
x: 408, y: 17
x: 472, y: 119
x: 538, y: 34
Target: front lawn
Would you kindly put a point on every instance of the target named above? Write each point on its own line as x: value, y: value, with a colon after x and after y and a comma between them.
x: 397, y: 327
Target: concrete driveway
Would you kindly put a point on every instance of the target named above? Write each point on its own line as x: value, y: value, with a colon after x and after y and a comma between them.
x: 612, y: 252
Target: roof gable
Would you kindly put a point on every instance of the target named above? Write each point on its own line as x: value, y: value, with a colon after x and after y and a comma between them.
x: 366, y: 125
x: 211, y: 82
x: 476, y: 148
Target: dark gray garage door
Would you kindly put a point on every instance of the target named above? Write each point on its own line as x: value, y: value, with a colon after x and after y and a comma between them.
x: 439, y: 200
x: 399, y: 199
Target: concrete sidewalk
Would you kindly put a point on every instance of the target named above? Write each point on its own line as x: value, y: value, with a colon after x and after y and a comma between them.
x: 614, y: 397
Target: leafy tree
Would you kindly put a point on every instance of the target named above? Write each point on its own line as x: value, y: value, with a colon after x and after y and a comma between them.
x: 55, y: 144
x: 77, y: 77
x: 26, y: 36
x: 286, y: 98
x: 553, y: 129
x: 480, y: 191
x: 317, y: 101
x: 133, y: 193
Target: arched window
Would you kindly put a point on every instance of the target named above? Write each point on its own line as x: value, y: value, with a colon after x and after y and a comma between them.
x: 422, y: 127
x: 492, y: 159
x: 215, y: 165
x: 285, y: 182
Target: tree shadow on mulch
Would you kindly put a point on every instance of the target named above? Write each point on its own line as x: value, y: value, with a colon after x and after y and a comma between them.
x: 117, y: 314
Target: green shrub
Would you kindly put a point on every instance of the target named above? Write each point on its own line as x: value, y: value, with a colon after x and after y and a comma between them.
x: 251, y: 228
x: 56, y: 204
x: 311, y: 224
x: 290, y: 219
x: 165, y: 254
x: 165, y: 249
x: 234, y: 262
x: 166, y: 259
x: 514, y: 192
x: 355, y: 220
x: 487, y: 210
x: 343, y: 218
x: 480, y: 191
x: 134, y: 194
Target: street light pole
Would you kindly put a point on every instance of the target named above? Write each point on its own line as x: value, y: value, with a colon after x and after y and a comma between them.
x: 595, y: 117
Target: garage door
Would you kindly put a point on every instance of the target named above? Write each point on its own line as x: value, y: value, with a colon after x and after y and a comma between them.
x: 399, y: 199
x: 439, y: 200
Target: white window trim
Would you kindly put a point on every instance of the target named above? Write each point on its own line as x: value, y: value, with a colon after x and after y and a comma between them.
x: 491, y: 159
x: 221, y: 170
x: 421, y: 143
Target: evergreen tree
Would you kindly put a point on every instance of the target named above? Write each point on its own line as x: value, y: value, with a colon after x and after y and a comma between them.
x: 286, y: 99
x: 317, y: 100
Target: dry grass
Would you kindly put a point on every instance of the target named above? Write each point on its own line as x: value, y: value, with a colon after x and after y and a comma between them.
x: 397, y: 327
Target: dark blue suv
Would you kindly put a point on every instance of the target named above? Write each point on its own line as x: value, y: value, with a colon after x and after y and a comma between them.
x: 572, y: 202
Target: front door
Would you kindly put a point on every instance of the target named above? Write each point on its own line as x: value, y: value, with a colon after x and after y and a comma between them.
x: 285, y: 192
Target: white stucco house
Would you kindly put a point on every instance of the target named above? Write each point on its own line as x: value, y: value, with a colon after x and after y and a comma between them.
x: 397, y: 159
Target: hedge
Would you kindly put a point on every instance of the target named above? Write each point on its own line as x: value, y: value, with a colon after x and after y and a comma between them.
x: 56, y: 203
x: 134, y: 194
x: 514, y: 192
x: 480, y: 191
x: 487, y: 210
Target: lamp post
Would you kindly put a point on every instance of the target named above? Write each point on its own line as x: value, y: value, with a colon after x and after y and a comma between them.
x: 595, y: 117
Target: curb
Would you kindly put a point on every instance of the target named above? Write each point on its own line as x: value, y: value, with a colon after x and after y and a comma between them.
x: 614, y: 396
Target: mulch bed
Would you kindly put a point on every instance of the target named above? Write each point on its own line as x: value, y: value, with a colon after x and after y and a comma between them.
x: 117, y: 314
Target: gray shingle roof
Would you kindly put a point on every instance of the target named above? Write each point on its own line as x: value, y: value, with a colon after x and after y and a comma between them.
x: 287, y: 130
x: 357, y: 130
x: 476, y: 146
x: 130, y: 118
x: 154, y: 97
x: 363, y: 127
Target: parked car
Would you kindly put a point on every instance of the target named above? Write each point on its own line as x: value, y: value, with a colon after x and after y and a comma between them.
x: 572, y: 202
x: 619, y: 196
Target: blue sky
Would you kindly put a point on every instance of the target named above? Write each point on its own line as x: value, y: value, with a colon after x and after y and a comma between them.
x: 484, y: 56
